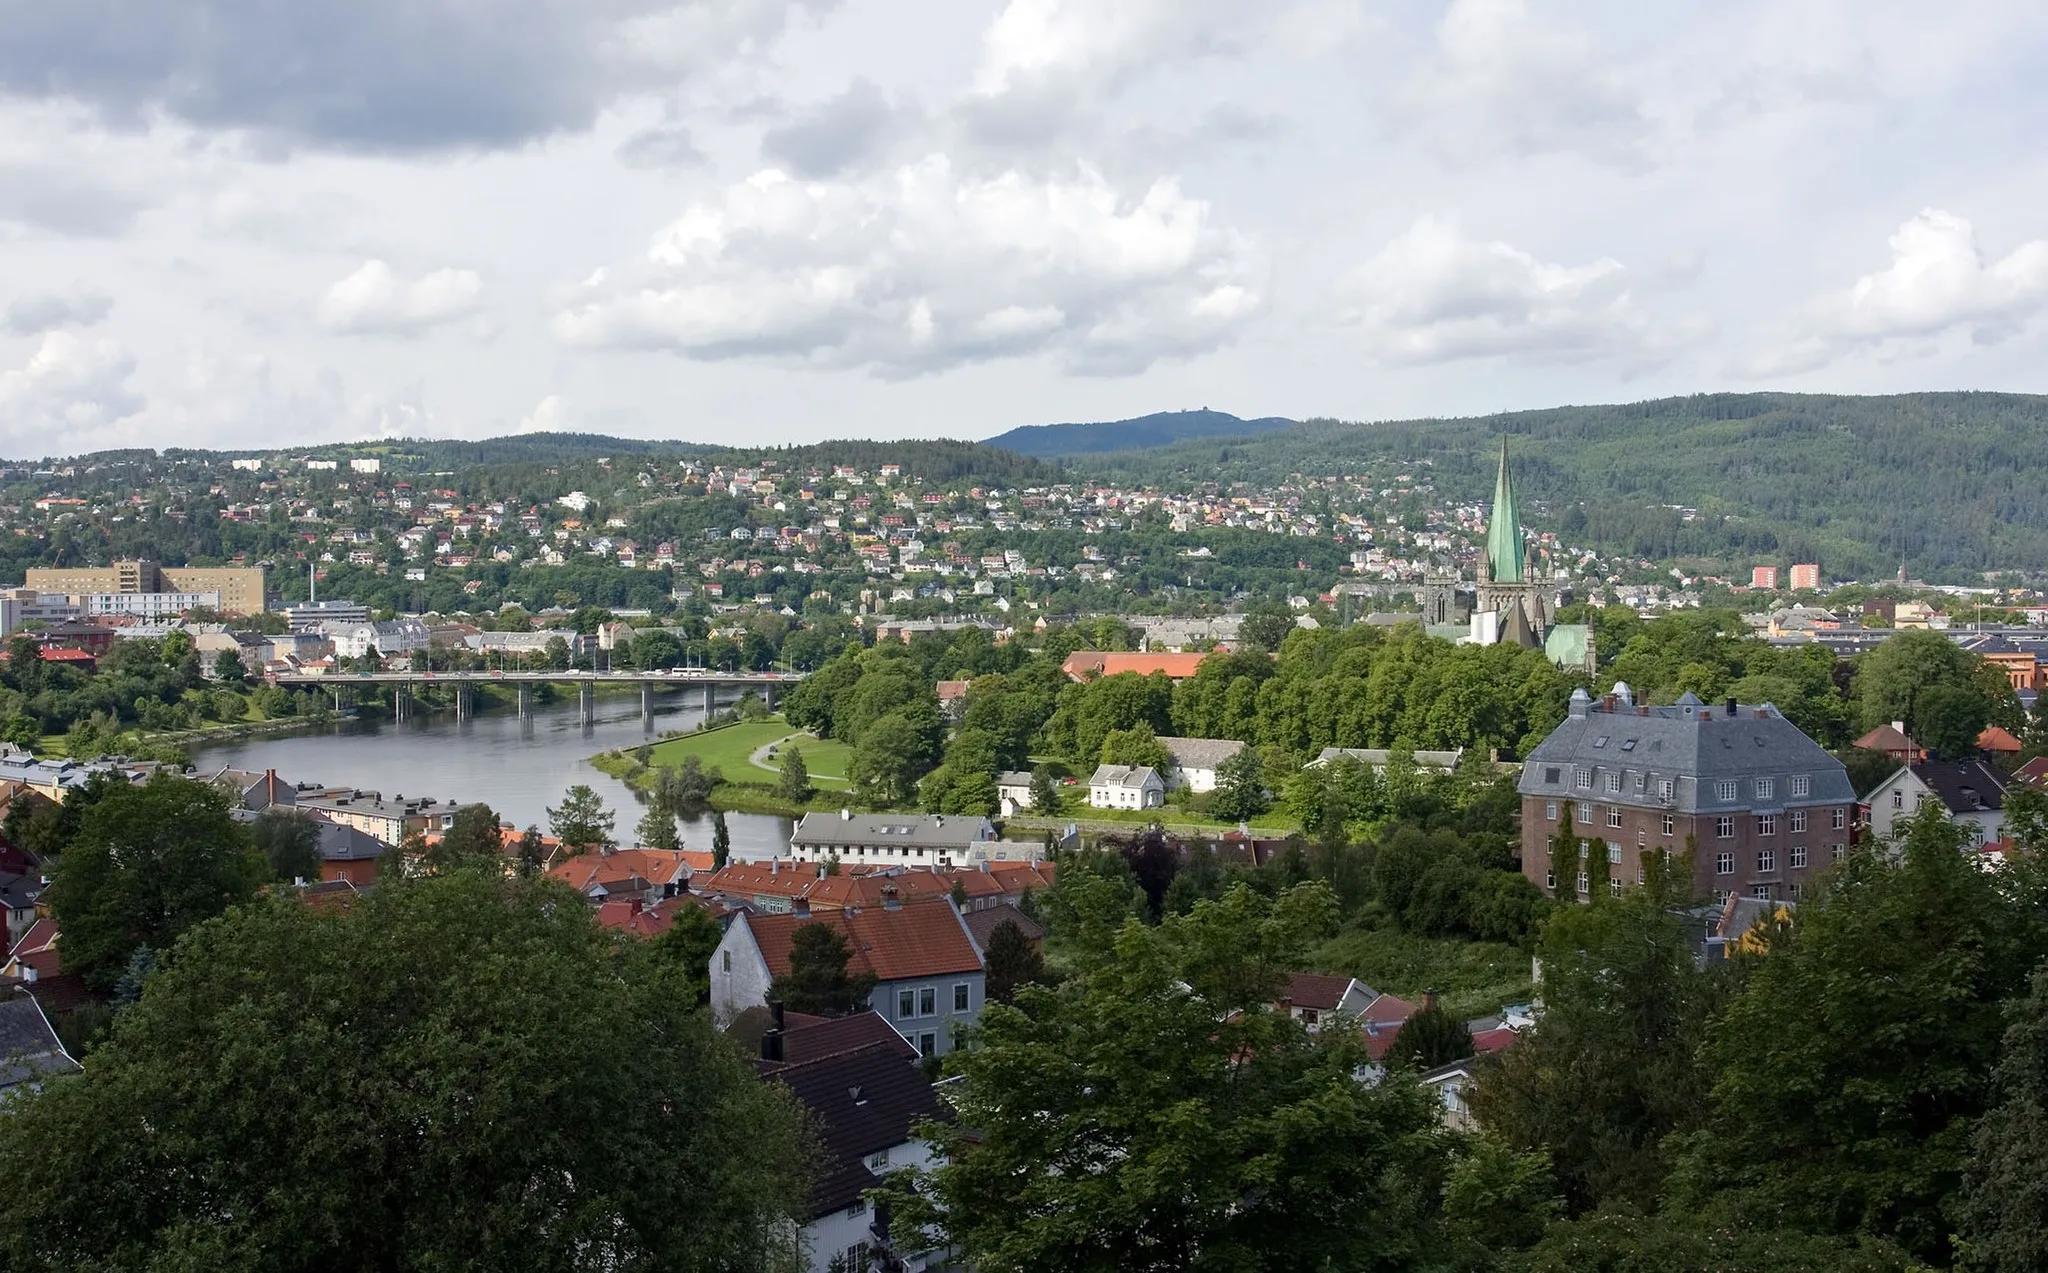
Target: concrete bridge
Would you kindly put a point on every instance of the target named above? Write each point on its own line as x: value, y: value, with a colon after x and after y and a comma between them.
x: 406, y: 685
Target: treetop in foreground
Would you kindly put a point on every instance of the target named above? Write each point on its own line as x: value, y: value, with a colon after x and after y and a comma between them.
x: 461, y: 1072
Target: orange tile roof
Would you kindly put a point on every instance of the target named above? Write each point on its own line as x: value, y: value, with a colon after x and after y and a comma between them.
x: 657, y: 866
x: 918, y: 939
x: 764, y: 879
x: 1997, y: 738
x: 1085, y: 663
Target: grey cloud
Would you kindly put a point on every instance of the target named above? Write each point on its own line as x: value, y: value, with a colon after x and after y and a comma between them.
x: 664, y: 146
x: 849, y: 131
x: 392, y: 76
x: 50, y: 198
x: 34, y: 315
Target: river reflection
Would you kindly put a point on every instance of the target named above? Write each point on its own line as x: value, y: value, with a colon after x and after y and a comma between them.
x: 517, y: 767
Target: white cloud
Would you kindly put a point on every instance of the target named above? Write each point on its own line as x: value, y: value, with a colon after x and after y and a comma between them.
x: 1049, y: 68
x: 1504, y: 81
x: 36, y: 314
x: 925, y: 269
x: 550, y: 415
x: 377, y: 301
x: 71, y: 386
x: 1938, y: 286
x: 1435, y: 295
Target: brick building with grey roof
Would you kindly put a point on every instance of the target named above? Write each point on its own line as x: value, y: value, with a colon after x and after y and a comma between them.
x: 1765, y: 806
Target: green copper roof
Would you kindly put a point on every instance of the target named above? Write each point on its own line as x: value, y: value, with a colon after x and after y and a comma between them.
x: 1504, y: 527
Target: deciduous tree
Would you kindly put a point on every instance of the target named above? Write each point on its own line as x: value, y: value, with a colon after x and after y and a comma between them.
x: 519, y: 1098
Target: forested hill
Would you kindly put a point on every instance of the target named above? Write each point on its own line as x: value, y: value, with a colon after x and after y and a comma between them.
x: 1954, y: 482
x: 1161, y: 428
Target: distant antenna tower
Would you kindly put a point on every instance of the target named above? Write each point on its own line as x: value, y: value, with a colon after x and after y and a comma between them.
x: 312, y: 582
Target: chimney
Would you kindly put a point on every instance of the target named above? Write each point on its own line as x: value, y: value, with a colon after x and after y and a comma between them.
x: 775, y: 1012
x: 1731, y: 707
x: 1607, y: 702
x: 891, y: 900
x: 774, y: 866
x: 771, y: 1043
x: 800, y: 908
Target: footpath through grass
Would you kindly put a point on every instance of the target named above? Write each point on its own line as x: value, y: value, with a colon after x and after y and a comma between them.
x: 730, y: 749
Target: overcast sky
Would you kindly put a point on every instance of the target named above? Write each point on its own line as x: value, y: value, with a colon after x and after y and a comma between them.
x: 245, y: 223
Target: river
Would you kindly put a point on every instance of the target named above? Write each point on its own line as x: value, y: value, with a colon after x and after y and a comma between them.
x: 517, y: 767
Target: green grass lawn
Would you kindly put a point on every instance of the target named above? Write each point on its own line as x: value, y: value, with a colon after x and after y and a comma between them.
x: 1474, y: 977
x: 729, y: 750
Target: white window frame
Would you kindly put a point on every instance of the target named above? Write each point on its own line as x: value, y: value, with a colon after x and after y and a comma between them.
x: 1838, y: 819
x: 1550, y: 810
x: 1582, y: 778
x: 1613, y: 782
x: 906, y: 1004
x: 1796, y: 821
x: 1767, y: 824
x: 928, y: 1001
x: 1724, y: 863
x: 1765, y: 787
x: 1724, y: 827
x: 1670, y: 824
x: 1766, y: 860
x: 1613, y: 853
x: 1798, y: 858
x: 962, y: 997
x: 1726, y: 789
x: 1586, y: 813
x: 1613, y: 815
x: 1802, y: 786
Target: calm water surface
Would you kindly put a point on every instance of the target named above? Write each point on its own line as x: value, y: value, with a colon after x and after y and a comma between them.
x: 517, y: 767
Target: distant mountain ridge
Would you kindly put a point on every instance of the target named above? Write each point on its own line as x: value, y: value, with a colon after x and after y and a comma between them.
x: 1161, y: 428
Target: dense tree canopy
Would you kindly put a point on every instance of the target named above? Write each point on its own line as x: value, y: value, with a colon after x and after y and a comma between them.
x: 458, y: 1073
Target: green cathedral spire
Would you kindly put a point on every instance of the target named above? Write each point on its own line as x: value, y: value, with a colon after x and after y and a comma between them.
x: 1504, y: 528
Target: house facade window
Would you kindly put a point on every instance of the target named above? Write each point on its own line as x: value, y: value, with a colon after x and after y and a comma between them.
x: 1550, y: 878
x: 1724, y: 863
x: 1838, y: 818
x: 1835, y: 852
x: 725, y: 961
x: 1725, y: 789
x: 1724, y: 828
x: 906, y: 1005
x: 927, y: 1001
x: 1613, y: 782
x: 1898, y: 799
x: 1764, y: 788
x: 1584, y: 884
x: 1550, y: 810
x: 1670, y: 823
x: 1766, y: 859
x: 1613, y: 853
x: 1614, y: 887
x: 1767, y: 824
x: 1664, y: 788
x: 1586, y: 813
x: 959, y: 996
x: 1798, y: 856
x: 1802, y: 786
x: 928, y: 1044
x: 1761, y: 892
x: 1613, y: 815
x: 1583, y: 778
x: 1798, y: 820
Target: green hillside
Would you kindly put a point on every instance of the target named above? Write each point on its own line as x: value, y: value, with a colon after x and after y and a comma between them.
x: 1955, y: 483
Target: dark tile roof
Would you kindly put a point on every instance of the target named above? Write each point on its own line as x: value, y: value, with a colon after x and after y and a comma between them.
x: 1963, y: 786
x: 861, y: 1102
x: 1691, y: 743
x: 29, y: 1049
x: 984, y: 922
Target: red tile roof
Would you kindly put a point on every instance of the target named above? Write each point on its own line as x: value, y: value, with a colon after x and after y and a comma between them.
x: 1314, y: 990
x: 917, y: 939
x: 660, y: 866
x: 1997, y: 738
x: 1484, y: 1041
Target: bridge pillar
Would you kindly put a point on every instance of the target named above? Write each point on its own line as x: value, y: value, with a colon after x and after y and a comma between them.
x: 646, y: 705
x: 710, y: 701
x: 465, y: 700
x: 525, y: 701
x: 768, y: 695
x: 589, y: 703
x: 401, y: 702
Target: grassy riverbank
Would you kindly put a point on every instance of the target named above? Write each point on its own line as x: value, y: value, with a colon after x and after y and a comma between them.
x: 733, y: 749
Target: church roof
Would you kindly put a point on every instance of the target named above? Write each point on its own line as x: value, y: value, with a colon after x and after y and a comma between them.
x: 1504, y: 527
